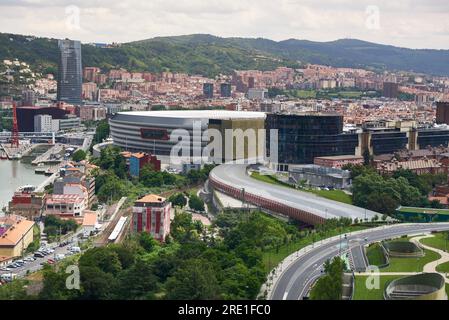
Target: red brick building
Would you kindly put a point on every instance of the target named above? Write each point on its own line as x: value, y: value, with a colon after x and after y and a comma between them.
x: 152, y: 214
x: 338, y: 161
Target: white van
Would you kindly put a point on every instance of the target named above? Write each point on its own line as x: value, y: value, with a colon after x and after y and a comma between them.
x: 75, y: 249
x: 8, y: 277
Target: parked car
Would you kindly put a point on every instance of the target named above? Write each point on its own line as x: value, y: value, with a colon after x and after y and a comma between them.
x: 39, y: 254
x: 59, y: 257
x: 50, y: 261
x: 8, y: 277
x: 75, y: 249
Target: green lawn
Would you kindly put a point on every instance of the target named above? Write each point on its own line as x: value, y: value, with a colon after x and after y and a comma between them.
x: 423, y: 210
x: 302, y: 94
x: 271, y: 258
x: 444, y: 267
x: 361, y: 292
x: 336, y: 195
x: 375, y: 255
x: 438, y: 241
x: 411, y: 264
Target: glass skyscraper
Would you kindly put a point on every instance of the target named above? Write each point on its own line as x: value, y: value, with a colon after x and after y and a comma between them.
x: 70, y: 72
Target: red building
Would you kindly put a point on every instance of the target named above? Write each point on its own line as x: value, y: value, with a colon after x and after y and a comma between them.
x: 338, y: 161
x: 152, y: 214
x: 138, y: 160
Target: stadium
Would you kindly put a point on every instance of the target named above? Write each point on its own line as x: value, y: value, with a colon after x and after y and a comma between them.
x: 150, y: 131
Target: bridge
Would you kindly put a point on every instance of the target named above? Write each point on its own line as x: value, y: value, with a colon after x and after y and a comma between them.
x: 7, y: 136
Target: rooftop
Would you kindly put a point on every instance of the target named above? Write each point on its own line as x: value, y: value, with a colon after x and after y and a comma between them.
x: 343, y: 157
x: 15, y: 232
x: 89, y: 219
x: 151, y: 198
x: 198, y: 114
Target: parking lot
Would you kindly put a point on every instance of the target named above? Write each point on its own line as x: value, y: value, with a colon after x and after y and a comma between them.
x: 33, y: 262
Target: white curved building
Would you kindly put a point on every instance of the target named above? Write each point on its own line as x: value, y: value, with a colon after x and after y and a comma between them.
x: 151, y: 131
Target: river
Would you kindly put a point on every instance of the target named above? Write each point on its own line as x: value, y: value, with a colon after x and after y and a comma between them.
x: 14, y: 174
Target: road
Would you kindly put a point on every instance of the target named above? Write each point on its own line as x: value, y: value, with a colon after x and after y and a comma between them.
x: 295, y: 280
x: 235, y: 175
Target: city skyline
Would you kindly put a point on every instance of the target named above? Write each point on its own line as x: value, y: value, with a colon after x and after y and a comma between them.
x: 373, y: 21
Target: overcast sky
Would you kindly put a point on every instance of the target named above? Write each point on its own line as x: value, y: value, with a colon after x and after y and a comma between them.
x: 406, y: 23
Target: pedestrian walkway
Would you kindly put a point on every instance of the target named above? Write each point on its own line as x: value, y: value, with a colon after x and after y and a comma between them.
x: 431, y: 266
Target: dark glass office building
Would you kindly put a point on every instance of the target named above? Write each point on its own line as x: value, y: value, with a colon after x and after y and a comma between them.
x: 25, y: 116
x: 225, y: 90
x: 388, y: 141
x: 301, y: 138
x: 208, y: 90
x: 70, y: 72
x: 433, y: 138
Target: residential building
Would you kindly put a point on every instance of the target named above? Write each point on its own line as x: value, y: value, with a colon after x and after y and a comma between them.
x: 390, y: 90
x: 257, y: 94
x: 90, y: 221
x: 28, y: 204
x: 65, y: 205
x: 16, y: 234
x: 138, y: 160
x: 442, y: 113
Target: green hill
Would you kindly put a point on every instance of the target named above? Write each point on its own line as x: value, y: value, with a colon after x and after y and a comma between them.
x: 209, y: 55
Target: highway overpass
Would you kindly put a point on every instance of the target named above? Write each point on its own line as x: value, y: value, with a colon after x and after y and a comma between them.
x: 233, y: 180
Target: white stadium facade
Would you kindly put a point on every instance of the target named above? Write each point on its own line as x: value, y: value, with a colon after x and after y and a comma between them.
x: 151, y: 131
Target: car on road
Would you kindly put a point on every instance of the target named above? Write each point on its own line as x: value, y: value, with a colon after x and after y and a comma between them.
x: 29, y: 259
x: 50, y: 261
x: 5, y: 269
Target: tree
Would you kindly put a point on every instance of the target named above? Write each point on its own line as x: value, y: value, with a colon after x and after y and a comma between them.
x: 138, y: 282
x: 194, y: 280
x: 79, y: 155
x: 147, y: 242
x: 103, y: 258
x: 196, y: 203
x: 54, y: 286
x: 101, y: 132
x: 97, y: 284
x: 178, y: 200
x: 329, y: 287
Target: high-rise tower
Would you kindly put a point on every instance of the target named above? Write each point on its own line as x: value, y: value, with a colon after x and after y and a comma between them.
x: 70, y: 72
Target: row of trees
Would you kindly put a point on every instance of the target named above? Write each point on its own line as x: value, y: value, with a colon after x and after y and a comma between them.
x: 385, y: 193
x: 193, y: 264
x: 179, y: 200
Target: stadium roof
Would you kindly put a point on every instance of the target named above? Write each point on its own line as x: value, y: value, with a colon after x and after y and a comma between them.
x: 198, y: 114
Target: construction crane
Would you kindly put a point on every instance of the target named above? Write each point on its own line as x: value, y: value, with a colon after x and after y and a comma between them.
x: 15, y: 128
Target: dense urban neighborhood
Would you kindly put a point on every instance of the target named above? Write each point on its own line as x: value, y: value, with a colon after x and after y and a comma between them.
x: 210, y: 168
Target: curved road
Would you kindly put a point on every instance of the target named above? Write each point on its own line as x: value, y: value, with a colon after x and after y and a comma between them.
x: 295, y: 280
x: 235, y: 175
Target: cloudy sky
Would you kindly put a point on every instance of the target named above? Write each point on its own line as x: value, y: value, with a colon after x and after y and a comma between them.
x: 407, y: 23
